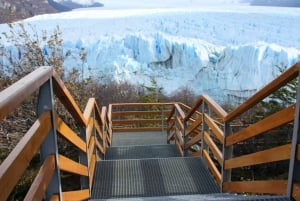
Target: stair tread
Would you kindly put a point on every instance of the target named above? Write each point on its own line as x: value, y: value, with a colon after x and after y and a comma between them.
x: 152, y: 177
x: 142, y: 151
x: 207, y: 197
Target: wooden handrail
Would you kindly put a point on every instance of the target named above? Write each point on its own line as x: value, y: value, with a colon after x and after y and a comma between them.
x: 28, y: 146
x: 280, y: 81
x: 67, y: 100
x: 13, y: 96
x: 22, y: 154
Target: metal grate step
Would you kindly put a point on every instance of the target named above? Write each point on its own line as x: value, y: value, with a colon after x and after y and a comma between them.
x: 142, y: 151
x: 211, y: 197
x: 152, y: 177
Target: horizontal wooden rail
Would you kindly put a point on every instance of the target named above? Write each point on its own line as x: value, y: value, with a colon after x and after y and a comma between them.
x: 141, y: 113
x: 260, y: 187
x: 71, y: 166
x: 271, y: 155
x: 42, y: 180
x: 193, y: 141
x: 298, y: 152
x: 76, y: 195
x: 69, y: 134
x: 262, y: 126
x: 296, y: 191
x: 277, y: 83
x: 13, y: 167
x: 211, y: 103
x: 137, y: 121
x: 13, y: 96
x: 193, y: 126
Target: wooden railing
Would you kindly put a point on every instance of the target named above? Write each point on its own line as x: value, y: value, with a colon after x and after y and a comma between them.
x: 42, y: 138
x: 206, y: 130
x: 132, y: 117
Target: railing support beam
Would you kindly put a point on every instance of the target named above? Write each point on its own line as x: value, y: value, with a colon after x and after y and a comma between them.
x: 49, y: 146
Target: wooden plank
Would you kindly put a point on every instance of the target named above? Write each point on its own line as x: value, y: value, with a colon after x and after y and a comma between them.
x: 296, y: 191
x: 214, y: 127
x: 67, y: 100
x: 69, y: 134
x: 87, y: 114
x: 13, y: 96
x: 280, y: 81
x: 92, y: 170
x: 137, y: 129
x: 270, y: 155
x: 89, y: 129
x: 179, y: 111
x: 178, y: 123
x: 13, y: 167
x: 171, y: 114
x: 103, y: 116
x: 171, y: 135
x: 39, y: 186
x: 68, y: 165
x: 278, y: 119
x: 136, y: 121
x: 91, y: 148
x: 98, y: 130
x: 212, y: 167
x: 277, y: 187
x: 54, y: 197
x: 100, y: 147
x: 76, y: 195
x: 298, y: 152
x: 193, y: 141
x: 196, y: 154
x: 141, y: 113
x: 211, y: 103
x: 194, y: 126
x: 179, y: 136
x: 213, y: 147
x: 141, y: 104
x: 179, y: 148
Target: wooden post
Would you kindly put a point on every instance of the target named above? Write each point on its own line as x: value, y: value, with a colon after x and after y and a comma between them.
x: 49, y: 146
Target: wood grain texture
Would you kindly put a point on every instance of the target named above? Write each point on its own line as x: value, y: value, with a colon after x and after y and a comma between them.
x: 280, y: 81
x: 194, y: 126
x: 76, y: 195
x: 261, y: 187
x: 213, y: 147
x: 193, y: 141
x: 13, y: 167
x: 280, y: 118
x: 214, y: 128
x: 67, y: 100
x: 296, y: 191
x: 298, y: 152
x: 69, y: 134
x: 270, y: 155
x: 13, y: 96
x: 212, y: 167
x: 39, y: 186
x: 71, y: 166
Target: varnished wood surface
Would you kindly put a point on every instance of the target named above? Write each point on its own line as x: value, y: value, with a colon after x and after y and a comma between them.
x: 39, y: 185
x: 13, y: 167
x: 270, y: 155
x: 263, y: 187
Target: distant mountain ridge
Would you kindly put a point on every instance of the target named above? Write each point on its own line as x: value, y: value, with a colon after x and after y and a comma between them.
x: 11, y: 11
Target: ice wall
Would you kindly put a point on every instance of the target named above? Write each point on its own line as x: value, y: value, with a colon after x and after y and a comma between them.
x: 219, y: 71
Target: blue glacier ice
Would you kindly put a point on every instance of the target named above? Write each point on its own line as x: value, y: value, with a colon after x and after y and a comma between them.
x: 223, y: 51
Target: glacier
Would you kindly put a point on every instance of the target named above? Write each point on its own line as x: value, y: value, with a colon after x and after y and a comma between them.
x: 227, y: 51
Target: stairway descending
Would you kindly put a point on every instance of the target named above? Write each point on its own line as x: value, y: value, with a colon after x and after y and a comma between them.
x: 148, y: 171
x: 157, y: 172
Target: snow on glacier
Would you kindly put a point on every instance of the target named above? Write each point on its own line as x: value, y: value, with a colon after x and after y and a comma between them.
x: 222, y: 51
